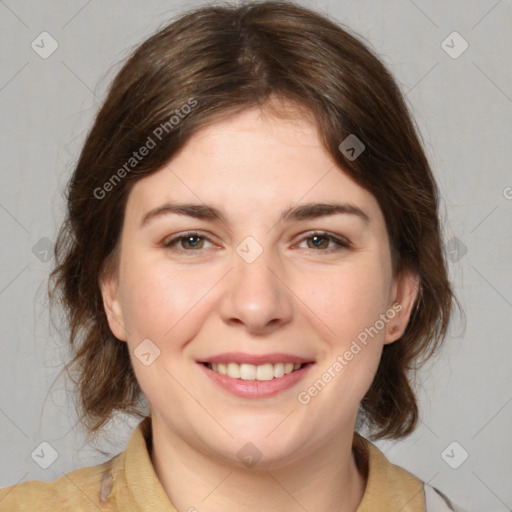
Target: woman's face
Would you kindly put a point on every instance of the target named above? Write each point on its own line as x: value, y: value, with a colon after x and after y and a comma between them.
x: 230, y: 256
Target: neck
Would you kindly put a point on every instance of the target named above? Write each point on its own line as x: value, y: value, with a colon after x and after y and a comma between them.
x: 326, y: 480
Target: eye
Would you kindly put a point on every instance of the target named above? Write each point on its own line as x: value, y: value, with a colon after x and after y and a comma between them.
x: 187, y: 242
x: 194, y: 242
x: 320, y: 242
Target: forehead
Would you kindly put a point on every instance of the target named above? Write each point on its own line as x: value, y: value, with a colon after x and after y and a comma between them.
x: 251, y: 163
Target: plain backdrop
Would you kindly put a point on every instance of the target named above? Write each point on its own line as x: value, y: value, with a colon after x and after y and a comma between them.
x: 463, y: 105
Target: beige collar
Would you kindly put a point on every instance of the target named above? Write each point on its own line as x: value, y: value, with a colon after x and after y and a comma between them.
x: 132, y: 480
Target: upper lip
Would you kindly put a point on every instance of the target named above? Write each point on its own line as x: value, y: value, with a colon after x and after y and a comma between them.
x: 255, y: 359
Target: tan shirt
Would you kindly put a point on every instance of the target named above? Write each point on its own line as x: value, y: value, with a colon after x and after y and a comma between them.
x: 128, y: 483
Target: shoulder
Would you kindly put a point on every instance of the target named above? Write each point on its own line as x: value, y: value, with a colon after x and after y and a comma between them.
x: 125, y: 482
x: 394, y: 487
x: 76, y: 491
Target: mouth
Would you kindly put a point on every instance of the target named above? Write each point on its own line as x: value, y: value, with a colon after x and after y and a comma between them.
x: 255, y: 376
x: 255, y: 381
x: 261, y: 372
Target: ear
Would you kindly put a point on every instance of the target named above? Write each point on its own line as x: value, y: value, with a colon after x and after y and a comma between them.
x: 404, y: 293
x: 109, y: 287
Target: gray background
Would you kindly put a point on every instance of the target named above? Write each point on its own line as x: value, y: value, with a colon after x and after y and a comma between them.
x: 463, y: 107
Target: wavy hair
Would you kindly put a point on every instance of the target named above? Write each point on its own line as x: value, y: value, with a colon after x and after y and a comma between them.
x: 229, y: 58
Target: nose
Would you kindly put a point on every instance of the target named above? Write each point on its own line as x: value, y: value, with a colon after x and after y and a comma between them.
x: 256, y: 295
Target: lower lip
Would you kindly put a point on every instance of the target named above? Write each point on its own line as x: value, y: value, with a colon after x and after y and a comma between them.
x: 257, y: 388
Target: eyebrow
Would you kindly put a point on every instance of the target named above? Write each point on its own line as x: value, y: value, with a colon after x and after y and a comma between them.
x: 301, y: 212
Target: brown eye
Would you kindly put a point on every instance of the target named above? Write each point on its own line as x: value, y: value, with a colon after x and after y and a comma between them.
x: 188, y: 242
x: 192, y: 241
x: 320, y: 242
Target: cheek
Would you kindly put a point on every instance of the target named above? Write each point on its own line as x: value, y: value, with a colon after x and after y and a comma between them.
x: 165, y: 306
x: 347, y: 304
x: 346, y: 300
x: 350, y: 303
x: 157, y: 299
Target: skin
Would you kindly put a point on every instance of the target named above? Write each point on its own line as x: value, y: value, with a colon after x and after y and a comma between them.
x: 294, y: 298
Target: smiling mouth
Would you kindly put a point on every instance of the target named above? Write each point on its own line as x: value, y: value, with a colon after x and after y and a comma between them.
x: 262, y: 372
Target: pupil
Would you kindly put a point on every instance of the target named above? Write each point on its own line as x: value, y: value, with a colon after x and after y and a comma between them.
x: 317, y: 238
x: 191, y: 238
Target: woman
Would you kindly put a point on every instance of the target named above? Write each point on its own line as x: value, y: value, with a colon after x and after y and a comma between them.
x: 253, y: 246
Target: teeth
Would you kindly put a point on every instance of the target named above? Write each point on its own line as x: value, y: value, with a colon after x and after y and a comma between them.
x: 248, y: 371
x: 245, y: 371
x: 233, y: 370
x: 278, y: 370
x: 264, y: 371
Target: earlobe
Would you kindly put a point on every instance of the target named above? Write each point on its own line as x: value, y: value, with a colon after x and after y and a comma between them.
x: 407, y: 291
x: 113, y: 310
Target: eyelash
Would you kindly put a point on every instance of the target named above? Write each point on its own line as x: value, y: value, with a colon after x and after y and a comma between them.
x: 340, y: 244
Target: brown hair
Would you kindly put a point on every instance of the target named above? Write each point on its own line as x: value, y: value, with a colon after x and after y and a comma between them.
x: 224, y: 59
